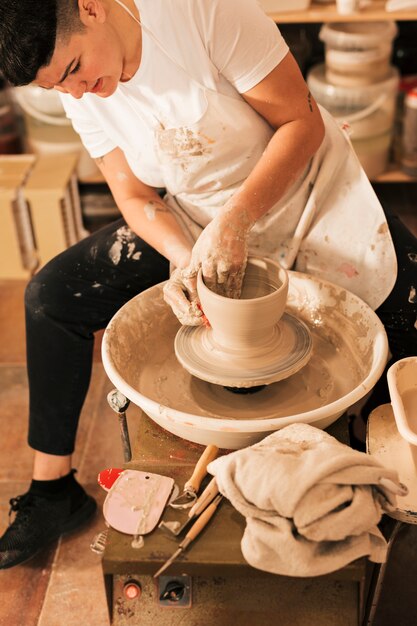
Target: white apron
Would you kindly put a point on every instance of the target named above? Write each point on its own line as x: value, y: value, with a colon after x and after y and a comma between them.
x: 329, y: 223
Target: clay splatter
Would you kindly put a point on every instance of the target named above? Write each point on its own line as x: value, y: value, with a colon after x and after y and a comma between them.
x: 93, y: 252
x: 412, y: 296
x: 122, y: 176
x: 150, y: 211
x: 413, y: 257
x: 130, y: 249
x: 349, y: 270
x: 183, y: 142
x: 124, y: 238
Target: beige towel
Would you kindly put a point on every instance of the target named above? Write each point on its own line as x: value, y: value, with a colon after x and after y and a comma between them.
x: 311, y: 503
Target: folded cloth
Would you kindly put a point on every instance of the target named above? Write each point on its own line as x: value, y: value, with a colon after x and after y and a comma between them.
x: 312, y: 504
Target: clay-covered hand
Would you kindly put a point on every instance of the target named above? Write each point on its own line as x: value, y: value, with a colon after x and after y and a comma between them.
x: 181, y: 294
x: 222, y: 252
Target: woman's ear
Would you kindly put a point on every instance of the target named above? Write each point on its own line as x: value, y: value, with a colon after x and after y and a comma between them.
x: 91, y: 11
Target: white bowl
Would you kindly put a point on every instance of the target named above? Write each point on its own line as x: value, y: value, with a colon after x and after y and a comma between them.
x: 349, y: 344
x: 402, y: 383
x: 43, y: 100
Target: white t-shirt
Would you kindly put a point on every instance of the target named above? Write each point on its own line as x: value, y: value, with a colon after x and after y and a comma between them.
x: 226, y: 45
x: 183, y: 125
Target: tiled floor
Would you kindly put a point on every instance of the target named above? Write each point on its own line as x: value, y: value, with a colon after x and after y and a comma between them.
x: 64, y: 587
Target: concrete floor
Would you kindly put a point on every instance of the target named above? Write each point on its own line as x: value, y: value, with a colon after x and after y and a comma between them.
x: 64, y: 586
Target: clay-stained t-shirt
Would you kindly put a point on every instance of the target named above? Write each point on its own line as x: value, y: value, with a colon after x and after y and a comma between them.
x: 183, y: 125
x: 225, y: 45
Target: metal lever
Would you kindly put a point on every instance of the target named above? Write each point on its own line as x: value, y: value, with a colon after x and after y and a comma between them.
x: 119, y: 404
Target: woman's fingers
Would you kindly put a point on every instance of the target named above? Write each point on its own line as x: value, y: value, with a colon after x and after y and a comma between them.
x: 234, y: 283
x: 208, y: 268
x: 224, y: 278
x: 185, y: 309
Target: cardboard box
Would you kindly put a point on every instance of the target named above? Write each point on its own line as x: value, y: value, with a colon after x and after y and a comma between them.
x: 18, y: 258
x: 40, y: 211
x: 52, y: 195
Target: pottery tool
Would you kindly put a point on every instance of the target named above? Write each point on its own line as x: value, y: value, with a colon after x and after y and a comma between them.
x: 209, y: 493
x: 98, y: 544
x: 107, y: 477
x: 135, y: 502
x: 191, y: 487
x: 119, y: 404
x: 194, y: 531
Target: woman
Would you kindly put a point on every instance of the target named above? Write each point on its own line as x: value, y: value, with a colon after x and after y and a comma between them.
x: 204, y: 99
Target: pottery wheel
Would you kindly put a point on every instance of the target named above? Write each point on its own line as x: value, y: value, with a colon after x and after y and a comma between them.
x: 350, y: 350
x: 286, y: 354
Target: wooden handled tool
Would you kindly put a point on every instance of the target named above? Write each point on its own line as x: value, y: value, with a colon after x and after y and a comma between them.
x: 191, y: 487
x: 194, y: 531
x: 209, y: 493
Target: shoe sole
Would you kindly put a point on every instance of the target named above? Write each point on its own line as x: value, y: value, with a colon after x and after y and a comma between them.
x: 80, y: 517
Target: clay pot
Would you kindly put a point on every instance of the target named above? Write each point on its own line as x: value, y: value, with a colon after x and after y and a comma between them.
x: 248, y: 323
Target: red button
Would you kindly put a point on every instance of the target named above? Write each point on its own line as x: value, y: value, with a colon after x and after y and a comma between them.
x: 132, y: 590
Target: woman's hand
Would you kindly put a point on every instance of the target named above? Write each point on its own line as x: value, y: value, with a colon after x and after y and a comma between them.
x: 181, y: 295
x: 222, y: 251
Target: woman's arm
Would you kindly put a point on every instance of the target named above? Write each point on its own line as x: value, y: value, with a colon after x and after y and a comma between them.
x: 144, y: 211
x: 284, y: 100
x: 150, y: 218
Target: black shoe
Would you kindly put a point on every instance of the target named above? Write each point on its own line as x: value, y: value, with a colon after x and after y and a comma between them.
x: 39, y: 521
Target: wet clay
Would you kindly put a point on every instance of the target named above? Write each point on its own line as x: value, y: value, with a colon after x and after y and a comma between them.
x: 139, y: 344
x: 331, y: 372
x: 248, y: 342
x: 287, y: 349
x: 249, y: 323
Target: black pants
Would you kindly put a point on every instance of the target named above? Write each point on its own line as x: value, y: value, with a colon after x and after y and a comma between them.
x: 74, y: 295
x: 79, y: 291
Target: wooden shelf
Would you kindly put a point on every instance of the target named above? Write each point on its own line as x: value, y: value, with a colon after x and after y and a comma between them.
x: 328, y: 13
x: 319, y: 13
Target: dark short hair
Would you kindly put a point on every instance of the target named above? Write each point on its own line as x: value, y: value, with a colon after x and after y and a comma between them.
x: 28, y: 34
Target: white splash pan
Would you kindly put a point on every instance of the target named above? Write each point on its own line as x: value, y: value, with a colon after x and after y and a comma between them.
x: 350, y: 351
x: 402, y: 383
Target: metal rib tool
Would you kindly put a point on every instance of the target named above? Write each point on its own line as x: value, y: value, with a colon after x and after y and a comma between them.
x: 209, y: 493
x: 191, y: 487
x: 194, y: 531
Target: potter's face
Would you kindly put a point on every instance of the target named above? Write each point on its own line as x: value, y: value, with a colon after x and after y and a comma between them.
x: 91, y: 61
